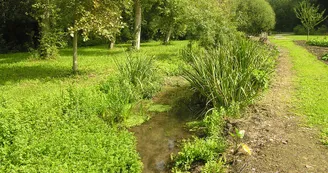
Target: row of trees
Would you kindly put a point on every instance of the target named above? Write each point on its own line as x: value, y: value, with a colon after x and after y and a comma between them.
x: 54, y: 20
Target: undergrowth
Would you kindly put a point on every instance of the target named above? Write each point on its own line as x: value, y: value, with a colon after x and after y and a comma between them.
x: 229, y: 77
x: 51, y: 121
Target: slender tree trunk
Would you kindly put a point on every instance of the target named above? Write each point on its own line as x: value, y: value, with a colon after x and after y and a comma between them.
x: 75, y: 66
x: 45, y: 29
x: 111, y: 43
x: 137, y: 24
x: 168, y: 36
x: 308, y: 30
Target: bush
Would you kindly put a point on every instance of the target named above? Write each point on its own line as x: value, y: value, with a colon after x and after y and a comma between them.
x: 230, y: 74
x: 49, y: 44
x: 322, y: 30
x: 300, y: 30
x: 318, y: 42
x: 256, y: 16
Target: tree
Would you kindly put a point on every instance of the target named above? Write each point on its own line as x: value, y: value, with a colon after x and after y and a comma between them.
x: 255, y: 16
x: 309, y: 15
x: 210, y: 22
x: 102, y: 17
x: 170, y: 18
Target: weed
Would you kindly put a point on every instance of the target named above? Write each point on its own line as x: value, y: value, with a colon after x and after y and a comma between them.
x: 325, y: 57
x: 214, y: 167
x: 198, y: 150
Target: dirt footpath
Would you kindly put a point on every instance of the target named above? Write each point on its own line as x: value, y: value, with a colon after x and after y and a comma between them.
x: 279, y: 140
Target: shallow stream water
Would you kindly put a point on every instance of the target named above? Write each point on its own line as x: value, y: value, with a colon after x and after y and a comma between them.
x: 162, y: 134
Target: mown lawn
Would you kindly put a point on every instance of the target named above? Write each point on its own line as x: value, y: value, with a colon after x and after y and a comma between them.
x: 311, y: 81
x: 50, y: 119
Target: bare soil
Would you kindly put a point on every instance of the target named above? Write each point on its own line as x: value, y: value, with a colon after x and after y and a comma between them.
x: 318, y: 51
x: 279, y: 140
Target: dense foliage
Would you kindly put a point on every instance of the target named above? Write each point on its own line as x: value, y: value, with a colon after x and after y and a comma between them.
x: 231, y: 73
x: 255, y: 16
x: 318, y: 42
x: 63, y: 134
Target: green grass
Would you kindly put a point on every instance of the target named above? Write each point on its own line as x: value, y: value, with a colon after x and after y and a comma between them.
x: 53, y: 121
x: 311, y: 81
x: 304, y: 37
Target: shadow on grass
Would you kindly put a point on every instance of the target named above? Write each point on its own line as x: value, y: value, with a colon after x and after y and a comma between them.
x: 40, y: 72
x: 165, y: 56
x: 95, y: 51
x: 13, y: 58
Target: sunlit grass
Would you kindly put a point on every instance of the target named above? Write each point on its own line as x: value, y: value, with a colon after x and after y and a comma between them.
x: 54, y: 121
x: 24, y: 77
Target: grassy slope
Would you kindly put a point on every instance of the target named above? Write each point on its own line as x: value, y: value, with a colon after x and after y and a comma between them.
x: 311, y: 96
x: 35, y: 134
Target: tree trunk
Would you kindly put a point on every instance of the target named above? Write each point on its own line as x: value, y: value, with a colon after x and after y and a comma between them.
x: 137, y: 24
x: 308, y: 34
x: 168, y: 36
x: 75, y: 67
x: 111, y: 44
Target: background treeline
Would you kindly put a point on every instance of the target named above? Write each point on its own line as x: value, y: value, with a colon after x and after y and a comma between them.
x: 23, y: 20
x: 286, y: 20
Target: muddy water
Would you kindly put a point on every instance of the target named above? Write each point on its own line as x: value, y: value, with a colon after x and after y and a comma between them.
x: 161, y: 135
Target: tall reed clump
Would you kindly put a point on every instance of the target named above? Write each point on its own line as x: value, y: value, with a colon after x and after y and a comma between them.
x: 230, y: 74
x: 139, y: 71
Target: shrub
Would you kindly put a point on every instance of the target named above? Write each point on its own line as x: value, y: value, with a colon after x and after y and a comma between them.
x: 318, y: 42
x: 322, y: 30
x: 230, y: 74
x: 256, y: 16
x: 300, y: 30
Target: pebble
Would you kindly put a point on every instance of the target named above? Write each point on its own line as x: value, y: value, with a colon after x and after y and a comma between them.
x: 285, y: 142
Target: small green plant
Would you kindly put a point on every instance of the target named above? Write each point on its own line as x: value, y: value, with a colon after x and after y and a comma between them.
x: 214, y: 167
x: 325, y: 57
x: 198, y: 150
x: 237, y: 138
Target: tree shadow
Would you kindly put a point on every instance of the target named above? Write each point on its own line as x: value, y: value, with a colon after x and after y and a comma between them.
x: 40, y: 72
x: 93, y: 52
x: 13, y: 58
x: 165, y: 56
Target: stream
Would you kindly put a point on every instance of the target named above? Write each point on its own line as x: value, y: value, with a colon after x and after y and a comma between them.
x: 162, y: 134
